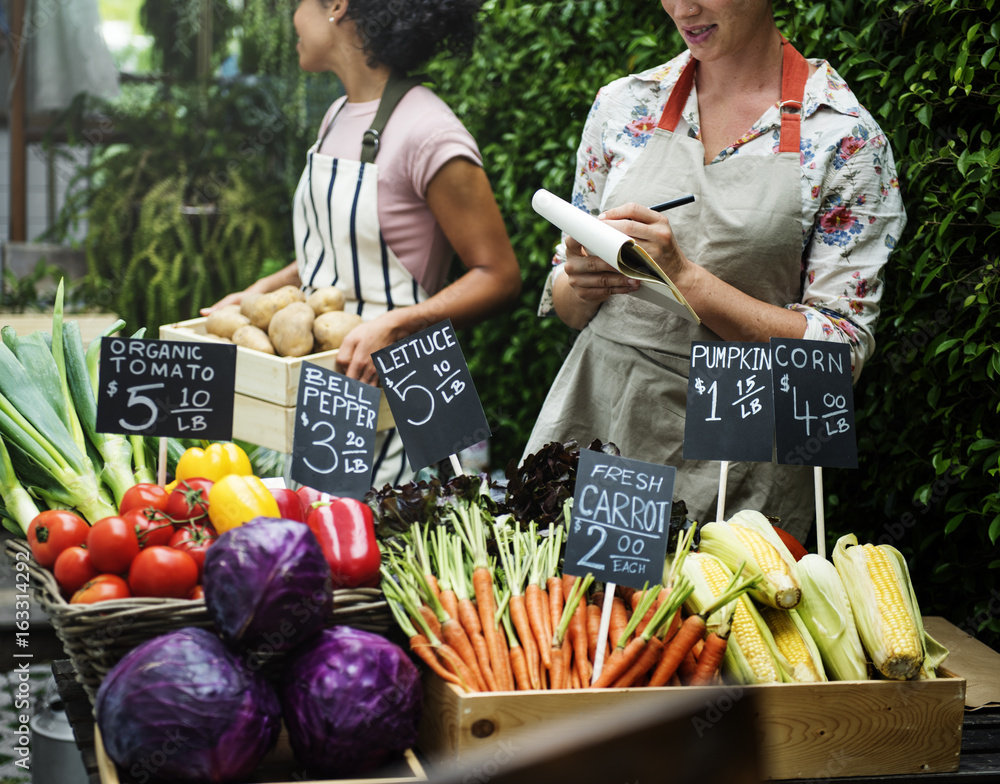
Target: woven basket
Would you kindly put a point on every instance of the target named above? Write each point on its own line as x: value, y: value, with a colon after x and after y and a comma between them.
x: 96, y: 636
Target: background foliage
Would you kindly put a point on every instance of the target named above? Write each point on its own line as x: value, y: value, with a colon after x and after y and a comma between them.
x: 927, y: 403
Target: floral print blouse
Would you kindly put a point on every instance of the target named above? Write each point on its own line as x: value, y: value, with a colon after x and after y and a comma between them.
x: 852, y: 210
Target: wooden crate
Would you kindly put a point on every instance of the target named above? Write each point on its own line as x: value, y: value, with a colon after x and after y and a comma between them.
x: 824, y: 730
x: 267, y: 389
x: 277, y: 768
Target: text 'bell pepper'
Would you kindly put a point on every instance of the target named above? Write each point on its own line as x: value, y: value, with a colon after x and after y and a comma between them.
x: 236, y: 499
x: 213, y: 462
x: 345, y: 528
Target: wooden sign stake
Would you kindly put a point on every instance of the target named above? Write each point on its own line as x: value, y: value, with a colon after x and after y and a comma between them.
x: 720, y: 507
x: 161, y: 468
x: 820, y: 520
x: 602, y: 634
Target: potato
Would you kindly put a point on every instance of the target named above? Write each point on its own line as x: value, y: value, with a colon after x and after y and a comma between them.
x: 291, y: 330
x: 225, y: 321
x: 286, y: 295
x: 325, y: 299
x: 260, y: 310
x: 253, y: 337
x: 332, y: 327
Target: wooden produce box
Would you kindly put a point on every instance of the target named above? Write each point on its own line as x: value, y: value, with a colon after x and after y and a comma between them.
x: 267, y: 388
x: 824, y: 730
x: 277, y: 767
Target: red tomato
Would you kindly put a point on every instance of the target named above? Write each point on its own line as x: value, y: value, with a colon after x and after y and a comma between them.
x: 52, y: 531
x: 144, y: 495
x: 151, y: 527
x: 100, y: 589
x: 73, y: 568
x: 289, y: 504
x: 198, y: 592
x: 794, y: 546
x: 189, y: 500
x: 113, y: 543
x: 163, y: 571
x: 194, y: 540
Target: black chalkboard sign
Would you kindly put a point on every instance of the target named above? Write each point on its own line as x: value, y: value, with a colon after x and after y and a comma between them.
x: 621, y: 519
x: 431, y: 395
x: 813, y: 403
x: 333, y: 444
x: 730, y: 414
x: 174, y: 388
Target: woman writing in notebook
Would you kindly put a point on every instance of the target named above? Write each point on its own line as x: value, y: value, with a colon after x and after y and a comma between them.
x: 796, y: 210
x: 379, y: 214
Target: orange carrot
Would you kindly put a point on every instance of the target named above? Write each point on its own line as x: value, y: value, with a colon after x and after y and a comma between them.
x: 519, y: 665
x: 536, y: 616
x: 432, y: 583
x: 710, y: 659
x: 555, y: 590
x: 422, y: 648
x: 543, y: 595
x: 593, y: 627
x: 619, y: 661
x: 561, y: 652
x: 432, y: 620
x: 647, y: 659
x: 687, y: 666
x: 574, y: 679
x: 469, y: 618
x: 692, y: 630
x: 557, y: 671
x: 578, y: 635
x: 482, y: 583
x: 619, y: 620
x: 522, y: 624
x: 452, y: 660
x: 454, y: 636
x: 449, y: 600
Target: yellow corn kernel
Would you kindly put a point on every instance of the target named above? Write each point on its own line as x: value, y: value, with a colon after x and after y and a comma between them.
x: 900, y: 638
x: 744, y: 631
x: 788, y: 640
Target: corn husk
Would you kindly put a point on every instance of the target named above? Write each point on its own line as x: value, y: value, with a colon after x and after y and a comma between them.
x: 826, y: 612
x: 780, y: 587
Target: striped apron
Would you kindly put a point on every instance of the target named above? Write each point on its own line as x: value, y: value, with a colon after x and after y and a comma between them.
x: 338, y: 242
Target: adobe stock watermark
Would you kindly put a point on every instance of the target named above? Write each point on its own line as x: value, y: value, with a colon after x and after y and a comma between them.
x: 973, y: 623
x: 716, y: 708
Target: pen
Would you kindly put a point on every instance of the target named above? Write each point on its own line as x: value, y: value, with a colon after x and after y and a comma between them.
x: 669, y: 205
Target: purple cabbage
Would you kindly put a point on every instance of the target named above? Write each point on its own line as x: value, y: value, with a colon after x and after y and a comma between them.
x: 183, y: 708
x: 267, y: 585
x: 351, y: 701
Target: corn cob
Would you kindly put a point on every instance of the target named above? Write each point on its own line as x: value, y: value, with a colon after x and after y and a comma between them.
x: 826, y: 612
x: 792, y: 640
x: 750, y: 539
x: 885, y: 609
x: 749, y: 654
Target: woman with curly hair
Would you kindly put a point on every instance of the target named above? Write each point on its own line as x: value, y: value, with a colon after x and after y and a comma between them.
x: 393, y: 187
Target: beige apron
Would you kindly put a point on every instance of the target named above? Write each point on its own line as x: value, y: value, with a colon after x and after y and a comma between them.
x: 625, y: 379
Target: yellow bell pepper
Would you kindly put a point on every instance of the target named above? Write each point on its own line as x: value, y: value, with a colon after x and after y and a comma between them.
x: 214, y: 462
x: 236, y: 499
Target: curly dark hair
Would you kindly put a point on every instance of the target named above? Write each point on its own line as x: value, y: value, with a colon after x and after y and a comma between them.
x: 405, y: 34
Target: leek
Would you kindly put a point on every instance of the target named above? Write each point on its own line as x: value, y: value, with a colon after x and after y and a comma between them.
x: 20, y: 507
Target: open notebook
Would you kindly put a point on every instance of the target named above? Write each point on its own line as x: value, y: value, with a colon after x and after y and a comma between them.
x: 617, y: 249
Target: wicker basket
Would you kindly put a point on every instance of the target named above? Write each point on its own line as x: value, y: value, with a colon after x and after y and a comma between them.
x: 96, y: 636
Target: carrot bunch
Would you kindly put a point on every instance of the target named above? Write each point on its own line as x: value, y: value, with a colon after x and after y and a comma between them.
x: 487, y: 606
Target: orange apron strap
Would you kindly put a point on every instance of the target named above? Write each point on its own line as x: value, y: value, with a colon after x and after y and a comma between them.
x: 794, y: 74
x: 678, y: 97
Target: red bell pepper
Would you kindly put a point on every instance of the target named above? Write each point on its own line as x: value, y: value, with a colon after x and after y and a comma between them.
x: 289, y: 504
x: 345, y: 528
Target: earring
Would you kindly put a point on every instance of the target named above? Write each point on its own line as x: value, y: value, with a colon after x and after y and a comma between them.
x: 332, y: 19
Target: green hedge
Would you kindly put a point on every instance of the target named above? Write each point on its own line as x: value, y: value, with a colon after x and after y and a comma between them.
x: 927, y: 403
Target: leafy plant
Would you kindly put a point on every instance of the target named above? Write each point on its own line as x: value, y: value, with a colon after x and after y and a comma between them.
x: 22, y: 294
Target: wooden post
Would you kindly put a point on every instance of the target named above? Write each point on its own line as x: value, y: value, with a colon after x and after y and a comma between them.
x: 18, y: 149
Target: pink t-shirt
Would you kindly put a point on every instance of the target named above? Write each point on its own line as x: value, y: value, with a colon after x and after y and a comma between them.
x: 421, y: 135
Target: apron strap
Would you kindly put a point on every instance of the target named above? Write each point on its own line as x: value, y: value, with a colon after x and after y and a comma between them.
x: 794, y: 74
x: 397, y: 86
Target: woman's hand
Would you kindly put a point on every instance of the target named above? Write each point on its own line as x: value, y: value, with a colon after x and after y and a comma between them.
x: 592, y: 279
x: 651, y: 231
x: 354, y: 356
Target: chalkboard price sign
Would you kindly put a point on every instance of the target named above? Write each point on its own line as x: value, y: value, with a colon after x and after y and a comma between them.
x: 813, y: 403
x: 166, y: 388
x: 430, y: 392
x: 730, y: 413
x: 333, y: 444
x: 621, y: 519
